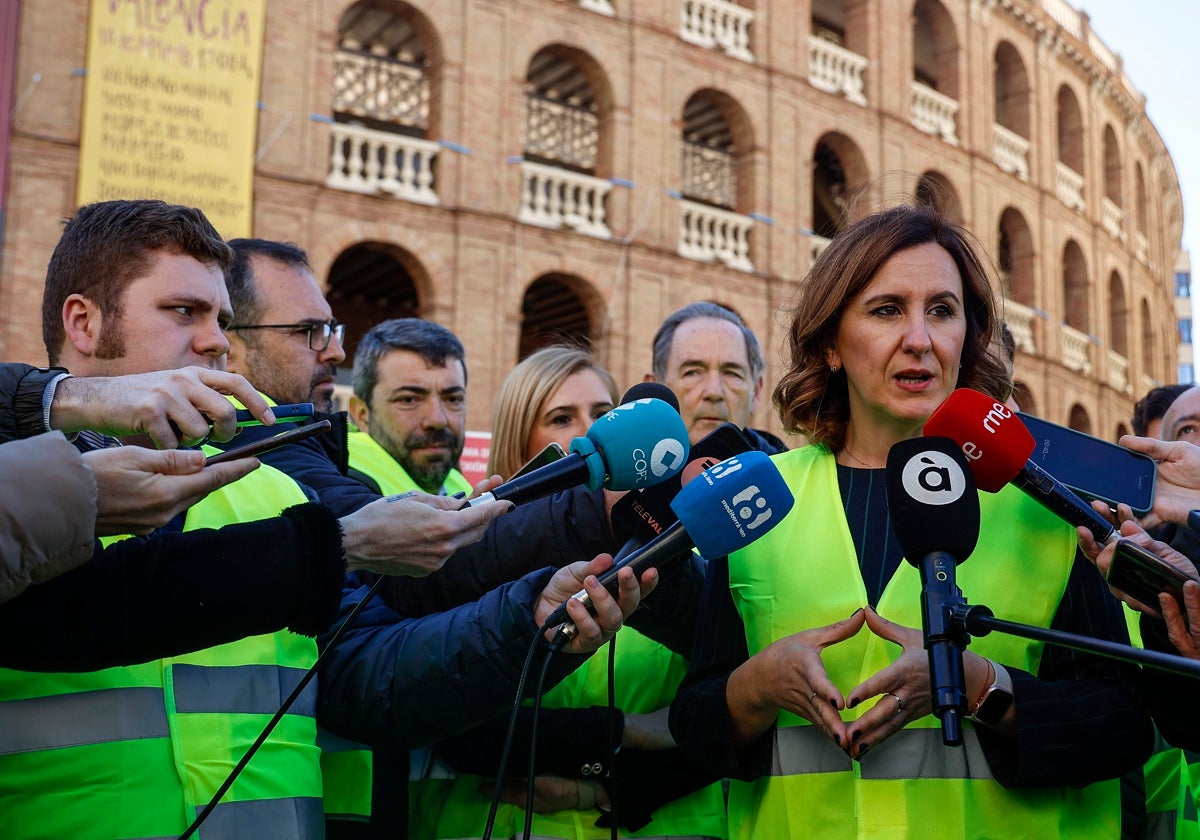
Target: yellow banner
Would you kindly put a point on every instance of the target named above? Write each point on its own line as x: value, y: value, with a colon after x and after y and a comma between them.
x: 171, y: 105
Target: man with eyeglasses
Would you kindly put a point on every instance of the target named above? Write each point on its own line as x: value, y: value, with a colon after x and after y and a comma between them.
x: 281, y: 317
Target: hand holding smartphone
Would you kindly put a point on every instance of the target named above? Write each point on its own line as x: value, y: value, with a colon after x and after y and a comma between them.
x: 1142, y: 575
x: 268, y: 444
x: 285, y: 413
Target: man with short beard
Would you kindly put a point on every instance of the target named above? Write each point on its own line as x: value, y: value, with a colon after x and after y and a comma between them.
x: 410, y: 405
x: 284, y: 337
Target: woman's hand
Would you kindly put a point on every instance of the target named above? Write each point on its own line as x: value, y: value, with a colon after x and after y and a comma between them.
x: 903, y: 687
x: 789, y: 674
x: 1130, y: 530
x: 1185, y: 635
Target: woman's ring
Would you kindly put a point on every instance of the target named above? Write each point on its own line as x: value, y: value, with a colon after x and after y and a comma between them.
x: 899, y: 702
x: 812, y: 698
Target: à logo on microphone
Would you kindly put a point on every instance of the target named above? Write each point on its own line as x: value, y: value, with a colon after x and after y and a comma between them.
x: 933, y: 478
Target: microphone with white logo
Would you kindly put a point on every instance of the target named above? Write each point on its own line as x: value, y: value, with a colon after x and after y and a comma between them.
x: 935, y: 517
x: 721, y: 510
x: 997, y: 447
x: 637, y: 444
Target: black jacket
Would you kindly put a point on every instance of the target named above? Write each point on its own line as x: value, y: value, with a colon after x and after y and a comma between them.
x: 167, y: 593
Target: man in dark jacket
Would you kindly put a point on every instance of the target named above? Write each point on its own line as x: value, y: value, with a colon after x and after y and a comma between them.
x: 383, y: 705
x: 707, y: 355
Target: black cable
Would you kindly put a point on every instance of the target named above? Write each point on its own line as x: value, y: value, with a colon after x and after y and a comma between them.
x: 278, y: 716
x: 508, y: 738
x: 613, y: 748
x: 533, y: 734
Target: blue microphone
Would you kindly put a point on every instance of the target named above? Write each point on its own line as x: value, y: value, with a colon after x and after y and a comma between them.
x: 637, y: 444
x: 724, y: 508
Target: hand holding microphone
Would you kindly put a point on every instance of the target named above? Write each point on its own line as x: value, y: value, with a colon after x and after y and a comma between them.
x: 725, y: 508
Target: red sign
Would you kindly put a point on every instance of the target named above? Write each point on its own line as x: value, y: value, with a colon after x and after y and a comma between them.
x: 473, y: 463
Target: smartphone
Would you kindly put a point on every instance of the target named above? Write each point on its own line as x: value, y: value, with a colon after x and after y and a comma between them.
x: 286, y: 413
x: 1093, y: 468
x: 549, y: 455
x: 267, y: 444
x: 1142, y: 575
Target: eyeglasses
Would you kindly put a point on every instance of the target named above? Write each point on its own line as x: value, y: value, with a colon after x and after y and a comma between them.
x: 319, y: 333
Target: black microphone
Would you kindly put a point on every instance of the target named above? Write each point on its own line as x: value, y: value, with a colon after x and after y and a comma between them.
x: 724, y: 508
x: 651, y: 391
x: 935, y: 516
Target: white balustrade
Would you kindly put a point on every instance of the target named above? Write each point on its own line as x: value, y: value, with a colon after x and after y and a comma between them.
x: 1113, y: 219
x: 1069, y: 185
x: 364, y: 160
x: 709, y: 233
x: 1020, y: 323
x: 1076, y: 350
x: 817, y: 244
x: 555, y: 198
x: 1141, y: 247
x: 1011, y: 151
x: 1118, y: 373
x: 934, y: 112
x: 717, y: 23
x: 836, y: 70
x: 600, y: 7
x: 1066, y: 15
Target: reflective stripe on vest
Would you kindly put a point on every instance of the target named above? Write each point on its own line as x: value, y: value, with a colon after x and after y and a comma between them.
x: 137, y: 752
x: 805, y: 574
x: 908, y: 754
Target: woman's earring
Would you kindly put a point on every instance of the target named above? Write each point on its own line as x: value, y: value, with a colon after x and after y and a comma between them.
x: 833, y: 368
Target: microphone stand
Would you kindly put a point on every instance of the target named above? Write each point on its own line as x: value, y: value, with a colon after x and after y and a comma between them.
x: 978, y: 620
x: 960, y: 621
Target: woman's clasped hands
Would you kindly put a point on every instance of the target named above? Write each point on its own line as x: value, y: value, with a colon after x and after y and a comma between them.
x: 901, y: 691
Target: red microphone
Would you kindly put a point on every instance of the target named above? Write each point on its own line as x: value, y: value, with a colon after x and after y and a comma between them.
x: 997, y: 447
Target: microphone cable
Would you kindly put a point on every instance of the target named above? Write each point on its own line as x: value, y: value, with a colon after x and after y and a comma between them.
x: 278, y: 716
x: 560, y: 641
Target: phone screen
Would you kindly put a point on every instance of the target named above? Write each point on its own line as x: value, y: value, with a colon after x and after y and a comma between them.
x: 1142, y: 575
x: 549, y: 455
x: 267, y: 444
x: 1093, y: 468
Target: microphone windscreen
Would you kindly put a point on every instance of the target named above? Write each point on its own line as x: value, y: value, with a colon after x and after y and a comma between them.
x: 641, y: 443
x: 990, y: 435
x: 932, y: 498
x: 733, y: 503
x: 651, y: 390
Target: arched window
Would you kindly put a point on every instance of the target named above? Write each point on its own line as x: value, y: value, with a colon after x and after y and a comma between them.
x: 566, y: 99
x: 935, y: 70
x: 1080, y: 421
x: 1149, y: 362
x: 382, y: 104
x: 1112, y: 166
x: 554, y: 312
x: 839, y: 171
x: 1118, y: 315
x: 710, y: 161
x: 1069, y: 168
x: 1014, y: 250
x: 1024, y: 397
x: 371, y: 282
x: 1075, y: 288
x: 935, y: 189
x: 1011, y: 99
x: 716, y: 186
